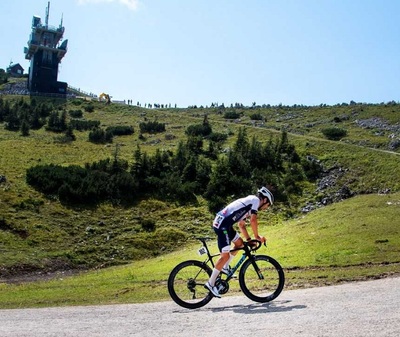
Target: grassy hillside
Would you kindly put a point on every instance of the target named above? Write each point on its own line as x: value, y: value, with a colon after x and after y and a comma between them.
x: 356, y: 239
x: 37, y: 233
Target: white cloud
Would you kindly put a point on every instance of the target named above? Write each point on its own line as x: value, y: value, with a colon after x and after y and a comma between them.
x: 131, y: 4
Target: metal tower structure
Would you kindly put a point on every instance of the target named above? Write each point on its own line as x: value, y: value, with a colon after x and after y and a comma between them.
x: 45, y: 53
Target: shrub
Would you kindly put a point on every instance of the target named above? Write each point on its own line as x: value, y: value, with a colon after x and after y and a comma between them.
x: 100, y: 136
x: 82, y: 125
x: 180, y: 177
x: 312, y: 168
x: 148, y: 225
x: 120, y: 130
x: 89, y: 185
x: 76, y: 102
x: 76, y: 113
x: 151, y: 127
x: 49, y: 178
x: 334, y: 133
x: 256, y: 117
x: 56, y: 122
x: 218, y: 137
x: 89, y: 107
x: 231, y: 115
x: 198, y: 130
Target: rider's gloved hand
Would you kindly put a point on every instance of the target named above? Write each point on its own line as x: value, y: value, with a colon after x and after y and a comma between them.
x: 261, y: 238
x: 252, y: 243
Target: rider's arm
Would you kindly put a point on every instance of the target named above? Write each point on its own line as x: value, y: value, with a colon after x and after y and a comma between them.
x: 254, y: 227
x: 243, y: 230
x: 254, y: 224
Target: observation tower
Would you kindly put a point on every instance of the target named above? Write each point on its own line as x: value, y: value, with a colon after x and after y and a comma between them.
x: 45, y: 53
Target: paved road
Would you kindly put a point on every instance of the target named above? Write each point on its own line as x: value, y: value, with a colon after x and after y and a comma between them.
x: 363, y: 309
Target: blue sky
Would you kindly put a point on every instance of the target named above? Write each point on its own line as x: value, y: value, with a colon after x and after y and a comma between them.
x: 196, y: 52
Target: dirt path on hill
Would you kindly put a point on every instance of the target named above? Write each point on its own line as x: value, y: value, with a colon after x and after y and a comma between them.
x: 362, y: 309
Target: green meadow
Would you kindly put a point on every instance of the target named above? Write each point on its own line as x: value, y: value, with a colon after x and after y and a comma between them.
x: 358, y: 239
x: 53, y: 254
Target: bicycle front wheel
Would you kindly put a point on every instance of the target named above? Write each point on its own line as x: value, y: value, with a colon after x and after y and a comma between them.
x: 261, y: 278
x: 186, y: 284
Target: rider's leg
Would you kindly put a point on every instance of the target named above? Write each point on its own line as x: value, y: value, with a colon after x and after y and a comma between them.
x: 238, y: 242
x: 224, y: 257
x: 225, y: 235
x: 227, y: 263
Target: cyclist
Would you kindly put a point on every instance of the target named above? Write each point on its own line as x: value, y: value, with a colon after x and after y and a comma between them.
x: 236, y: 212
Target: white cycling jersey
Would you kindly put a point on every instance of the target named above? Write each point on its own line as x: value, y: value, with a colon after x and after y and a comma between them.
x: 236, y: 211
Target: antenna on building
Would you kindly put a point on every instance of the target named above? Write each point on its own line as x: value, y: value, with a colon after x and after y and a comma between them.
x: 47, y: 13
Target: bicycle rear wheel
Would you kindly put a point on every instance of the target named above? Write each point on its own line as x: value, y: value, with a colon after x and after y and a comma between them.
x: 262, y: 278
x: 186, y: 284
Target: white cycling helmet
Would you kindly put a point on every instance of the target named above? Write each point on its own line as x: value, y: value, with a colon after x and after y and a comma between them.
x: 267, y: 193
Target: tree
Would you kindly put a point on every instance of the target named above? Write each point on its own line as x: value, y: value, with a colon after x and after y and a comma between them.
x: 13, y: 123
x: 36, y: 121
x: 53, y: 120
x: 1, y: 110
x: 69, y: 133
x: 195, y: 145
x: 25, y: 128
x: 242, y: 142
x: 190, y: 171
x: 3, y: 76
x: 255, y: 153
x: 179, y: 160
x: 137, y: 164
x: 284, y: 143
x: 5, y: 110
x: 63, y: 121
x: 203, y: 173
x: 218, y: 188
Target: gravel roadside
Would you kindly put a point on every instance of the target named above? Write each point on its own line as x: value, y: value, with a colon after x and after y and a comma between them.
x: 369, y: 308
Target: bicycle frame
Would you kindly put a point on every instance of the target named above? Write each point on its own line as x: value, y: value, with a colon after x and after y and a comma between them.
x: 236, y: 267
x: 246, y: 254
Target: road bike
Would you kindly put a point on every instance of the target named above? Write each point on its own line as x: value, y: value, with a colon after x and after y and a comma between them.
x: 261, y: 278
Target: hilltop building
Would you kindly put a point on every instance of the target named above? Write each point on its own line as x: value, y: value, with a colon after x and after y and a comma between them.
x: 45, y: 54
x: 15, y: 70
